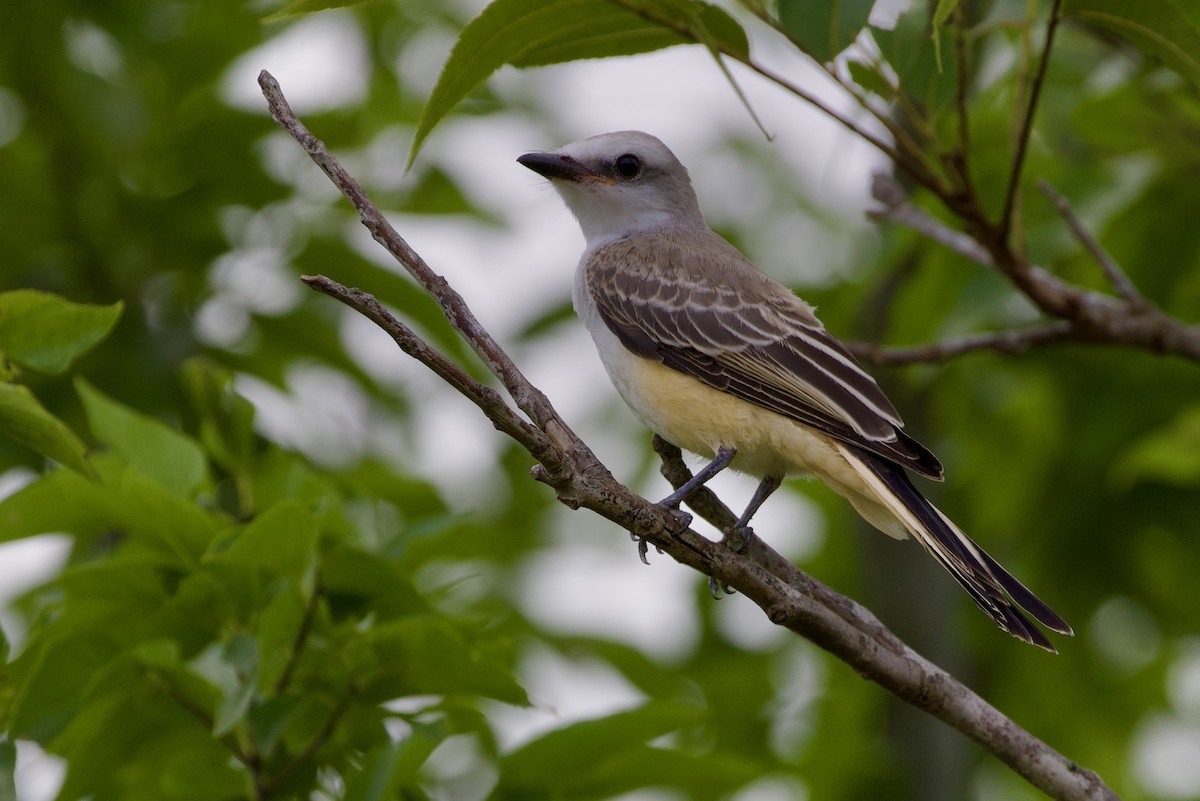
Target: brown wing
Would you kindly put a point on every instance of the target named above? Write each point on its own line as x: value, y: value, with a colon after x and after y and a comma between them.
x: 669, y: 298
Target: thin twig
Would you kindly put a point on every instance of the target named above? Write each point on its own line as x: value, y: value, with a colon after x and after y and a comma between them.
x: 1112, y: 271
x: 268, y: 788
x: 907, y: 153
x: 486, y: 398
x: 896, y: 208
x: 1026, y: 127
x: 302, y: 632
x: 919, y: 171
x: 914, y: 166
x: 202, y: 716
x: 1093, y: 316
x: 528, y: 398
x: 1011, y: 342
x: 960, y: 90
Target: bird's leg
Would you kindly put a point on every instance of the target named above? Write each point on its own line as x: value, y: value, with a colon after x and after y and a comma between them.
x: 742, y: 526
x: 724, y: 457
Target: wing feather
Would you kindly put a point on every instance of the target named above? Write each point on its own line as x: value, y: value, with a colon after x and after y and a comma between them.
x: 670, y: 298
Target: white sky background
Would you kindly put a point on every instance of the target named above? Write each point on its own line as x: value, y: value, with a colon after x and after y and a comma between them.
x: 589, y: 580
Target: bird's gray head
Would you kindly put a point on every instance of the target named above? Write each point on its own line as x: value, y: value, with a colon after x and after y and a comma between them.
x: 620, y: 183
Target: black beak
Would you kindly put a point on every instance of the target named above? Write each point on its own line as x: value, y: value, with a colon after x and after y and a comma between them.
x: 555, y: 165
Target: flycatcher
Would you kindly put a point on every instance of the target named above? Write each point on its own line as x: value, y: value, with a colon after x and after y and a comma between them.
x: 723, y: 361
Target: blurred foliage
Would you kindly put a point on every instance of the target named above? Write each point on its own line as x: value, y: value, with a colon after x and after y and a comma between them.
x: 252, y: 610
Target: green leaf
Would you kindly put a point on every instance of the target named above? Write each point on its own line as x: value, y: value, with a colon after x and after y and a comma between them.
x: 906, y: 49
x: 46, y: 333
x: 226, y: 418
x: 940, y: 14
x: 1168, y: 455
x: 1161, y: 28
x: 232, y: 668
x: 602, y: 758
x: 282, y: 618
x: 269, y: 719
x: 823, y: 28
x: 530, y: 33
x: 573, y: 747
x: 870, y: 78
x: 152, y: 520
x: 393, y: 765
x: 50, y: 692
x: 423, y: 654
x: 8, y: 769
x: 171, y: 459
x: 300, y: 7
x: 630, y: 767
x: 58, y: 501
x: 282, y: 539
x: 25, y: 420
x: 366, y: 582
x: 162, y: 521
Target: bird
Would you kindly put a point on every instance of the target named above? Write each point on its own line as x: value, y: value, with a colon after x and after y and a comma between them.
x: 721, y: 360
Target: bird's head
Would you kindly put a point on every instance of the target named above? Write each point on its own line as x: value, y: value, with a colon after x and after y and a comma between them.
x: 617, y: 184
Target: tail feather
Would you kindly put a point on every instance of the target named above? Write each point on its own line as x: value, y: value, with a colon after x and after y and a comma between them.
x: 993, y: 588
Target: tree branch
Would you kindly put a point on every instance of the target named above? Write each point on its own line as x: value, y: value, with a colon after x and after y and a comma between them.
x: 853, y: 634
x: 1092, y: 316
x: 896, y: 208
x: 1112, y: 271
x: 1011, y: 342
x: 789, y: 597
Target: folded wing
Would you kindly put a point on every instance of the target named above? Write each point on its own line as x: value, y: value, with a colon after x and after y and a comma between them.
x: 666, y: 301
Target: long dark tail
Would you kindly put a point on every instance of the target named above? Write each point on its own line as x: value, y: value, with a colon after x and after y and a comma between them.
x: 993, y: 588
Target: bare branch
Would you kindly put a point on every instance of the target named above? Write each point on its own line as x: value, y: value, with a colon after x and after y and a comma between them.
x: 896, y: 208
x: 528, y: 397
x: 960, y: 90
x: 789, y: 597
x: 850, y: 632
x: 1011, y: 342
x: 486, y: 398
x: 1092, y: 316
x: 1112, y: 271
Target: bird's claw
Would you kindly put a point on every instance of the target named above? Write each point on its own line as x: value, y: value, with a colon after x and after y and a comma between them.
x: 643, y: 546
x: 744, y: 536
x: 683, y: 522
x: 718, y: 589
x: 684, y: 519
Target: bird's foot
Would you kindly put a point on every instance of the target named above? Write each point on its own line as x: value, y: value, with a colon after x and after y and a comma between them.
x: 683, y: 519
x: 739, y: 537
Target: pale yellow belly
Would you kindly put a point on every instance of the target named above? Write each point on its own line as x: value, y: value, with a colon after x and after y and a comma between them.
x: 701, y: 419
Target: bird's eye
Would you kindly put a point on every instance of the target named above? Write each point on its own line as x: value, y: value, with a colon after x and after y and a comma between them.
x: 628, y: 166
